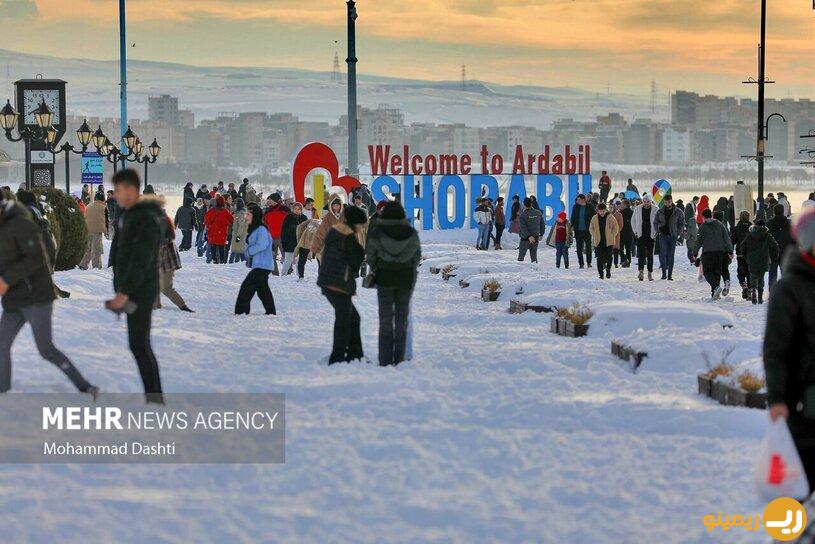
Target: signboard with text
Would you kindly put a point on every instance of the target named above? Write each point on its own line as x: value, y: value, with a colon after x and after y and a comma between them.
x: 93, y: 168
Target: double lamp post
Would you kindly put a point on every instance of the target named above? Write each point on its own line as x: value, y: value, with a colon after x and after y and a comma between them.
x: 132, y: 147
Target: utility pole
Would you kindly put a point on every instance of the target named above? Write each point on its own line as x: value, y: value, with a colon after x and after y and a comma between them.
x: 122, y: 71
x: 760, y: 125
x: 352, y: 167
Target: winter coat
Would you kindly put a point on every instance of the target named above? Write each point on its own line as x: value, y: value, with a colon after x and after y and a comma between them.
x: 288, y: 234
x: 690, y: 218
x: 739, y: 234
x: 786, y: 204
x: 327, y: 223
x: 759, y: 248
x: 218, y: 220
x: 259, y: 249
x: 202, y: 194
x: 24, y: 265
x: 199, y: 216
x: 48, y: 239
x: 237, y: 241
x: 113, y: 212
x: 627, y: 232
x: 780, y: 229
x: 273, y: 219
x: 483, y: 215
x: 169, y: 259
x: 188, y: 194
x: 305, y: 233
x: 135, y: 250
x: 721, y: 206
x: 515, y: 211
x: 713, y: 237
x: 95, y: 218
x: 185, y: 217
x: 676, y: 222
x: 550, y: 240
x: 619, y: 218
x: 531, y: 223
x: 636, y: 221
x: 394, y: 252
x: 704, y: 204
x: 612, y: 230
x: 574, y: 218
x: 251, y: 196
x: 789, y: 341
x: 500, y: 217
x: 342, y: 256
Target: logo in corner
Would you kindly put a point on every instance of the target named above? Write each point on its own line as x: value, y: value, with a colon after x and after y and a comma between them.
x: 785, y: 519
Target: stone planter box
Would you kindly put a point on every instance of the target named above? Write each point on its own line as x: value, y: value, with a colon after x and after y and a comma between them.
x: 518, y: 307
x: 447, y: 275
x: 631, y: 355
x: 464, y: 284
x: 435, y: 270
x: 562, y: 327
x: 490, y: 296
x: 729, y: 395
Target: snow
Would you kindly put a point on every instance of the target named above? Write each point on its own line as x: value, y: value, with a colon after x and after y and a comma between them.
x: 496, y: 431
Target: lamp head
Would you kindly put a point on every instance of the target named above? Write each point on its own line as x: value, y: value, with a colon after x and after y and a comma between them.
x: 8, y: 117
x: 154, y: 149
x: 44, y: 116
x: 84, y: 134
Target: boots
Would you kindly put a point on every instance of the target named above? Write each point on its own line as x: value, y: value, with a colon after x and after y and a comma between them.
x: 745, y: 292
x: 726, y: 290
x: 761, y: 296
x: 753, y: 296
x: 650, y: 276
x: 639, y: 276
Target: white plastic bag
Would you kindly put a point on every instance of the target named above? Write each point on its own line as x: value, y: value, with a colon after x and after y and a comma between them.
x: 701, y: 276
x: 779, y: 472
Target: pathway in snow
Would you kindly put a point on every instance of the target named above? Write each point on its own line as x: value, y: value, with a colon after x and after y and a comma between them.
x: 497, y: 431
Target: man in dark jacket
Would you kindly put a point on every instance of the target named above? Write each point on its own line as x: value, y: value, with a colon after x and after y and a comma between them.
x: 394, y: 253
x: 713, y: 241
x: 186, y: 219
x: 737, y: 236
x: 135, y: 273
x: 28, y: 294
x: 342, y: 257
x: 789, y: 344
x: 670, y: 224
x: 288, y: 237
x: 582, y: 212
x: 626, y: 234
x: 779, y: 227
x: 531, y: 223
x: 759, y: 249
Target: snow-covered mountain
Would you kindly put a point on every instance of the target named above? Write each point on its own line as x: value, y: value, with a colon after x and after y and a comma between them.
x: 93, y: 90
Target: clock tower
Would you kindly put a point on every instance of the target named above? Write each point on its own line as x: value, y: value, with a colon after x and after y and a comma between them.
x: 30, y: 93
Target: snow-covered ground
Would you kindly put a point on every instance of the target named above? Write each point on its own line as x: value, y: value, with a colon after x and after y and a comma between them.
x: 497, y: 431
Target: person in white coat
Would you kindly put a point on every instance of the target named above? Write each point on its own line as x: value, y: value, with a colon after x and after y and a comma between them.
x: 642, y: 223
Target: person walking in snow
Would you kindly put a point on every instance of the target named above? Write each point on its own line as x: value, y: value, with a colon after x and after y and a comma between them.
x: 305, y: 235
x: 789, y: 344
x: 780, y: 229
x: 627, y: 240
x: 531, y: 224
x: 759, y: 249
x: 273, y: 218
x: 605, y: 186
x: 169, y: 262
x: 560, y: 237
x: 483, y: 217
x: 218, y: 220
x: 500, y: 221
x: 712, y: 241
x: 260, y: 258
x: 342, y: 257
x: 186, y: 219
x: 237, y: 239
x: 27, y: 294
x: 582, y: 213
x: 642, y: 225
x: 514, y: 215
x: 96, y: 222
x: 135, y: 257
x: 393, y: 252
x: 288, y: 237
x: 727, y: 258
x: 332, y: 216
x: 615, y: 211
x: 669, y: 224
x: 604, y: 230
x: 737, y: 236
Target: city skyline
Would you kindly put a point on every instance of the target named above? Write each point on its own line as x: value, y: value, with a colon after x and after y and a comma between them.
x: 556, y: 43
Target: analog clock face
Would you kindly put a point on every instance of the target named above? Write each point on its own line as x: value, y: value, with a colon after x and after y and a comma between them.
x: 32, y: 98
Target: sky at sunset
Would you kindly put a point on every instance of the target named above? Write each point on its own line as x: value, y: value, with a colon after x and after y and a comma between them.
x: 704, y: 45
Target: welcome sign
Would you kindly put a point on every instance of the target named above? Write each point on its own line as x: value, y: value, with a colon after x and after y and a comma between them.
x: 435, y: 184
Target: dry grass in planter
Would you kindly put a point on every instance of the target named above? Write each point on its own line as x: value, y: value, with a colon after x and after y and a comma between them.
x: 491, y: 290
x: 750, y: 382
x: 572, y: 321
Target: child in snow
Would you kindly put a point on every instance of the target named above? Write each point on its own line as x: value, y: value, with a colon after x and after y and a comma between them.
x: 261, y: 261
x: 560, y: 238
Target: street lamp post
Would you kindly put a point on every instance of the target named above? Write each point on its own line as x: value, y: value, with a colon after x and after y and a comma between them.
x: 135, y: 150
x: 353, y: 159
x: 8, y: 121
x: 84, y: 135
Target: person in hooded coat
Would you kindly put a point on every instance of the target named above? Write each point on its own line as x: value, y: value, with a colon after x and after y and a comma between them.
x: 780, y: 228
x: 738, y: 235
x: 237, y: 242
x: 218, y: 220
x: 704, y: 204
x: 186, y: 219
x: 759, y: 248
x: 342, y: 256
x: 393, y: 252
x: 305, y: 234
x: 332, y: 216
x: 203, y: 193
x: 188, y: 192
x: 288, y: 237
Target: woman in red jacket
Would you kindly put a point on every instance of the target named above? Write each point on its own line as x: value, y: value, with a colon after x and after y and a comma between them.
x: 704, y: 204
x: 218, y: 220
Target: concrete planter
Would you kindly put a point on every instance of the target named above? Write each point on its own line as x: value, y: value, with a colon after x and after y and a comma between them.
x: 729, y: 395
x: 563, y: 327
x: 435, y: 270
x: 631, y: 355
x: 490, y: 296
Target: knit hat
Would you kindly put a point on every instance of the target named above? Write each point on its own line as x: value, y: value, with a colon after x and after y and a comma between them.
x: 355, y: 216
x: 220, y: 201
x: 561, y: 216
x: 804, y: 230
x: 275, y: 197
x: 381, y: 204
x: 647, y: 198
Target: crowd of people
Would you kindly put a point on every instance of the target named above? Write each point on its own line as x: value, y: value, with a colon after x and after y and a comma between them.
x: 614, y: 229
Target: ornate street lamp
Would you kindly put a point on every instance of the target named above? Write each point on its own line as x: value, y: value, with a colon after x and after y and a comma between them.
x: 27, y: 134
x: 84, y: 135
x: 135, y: 153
